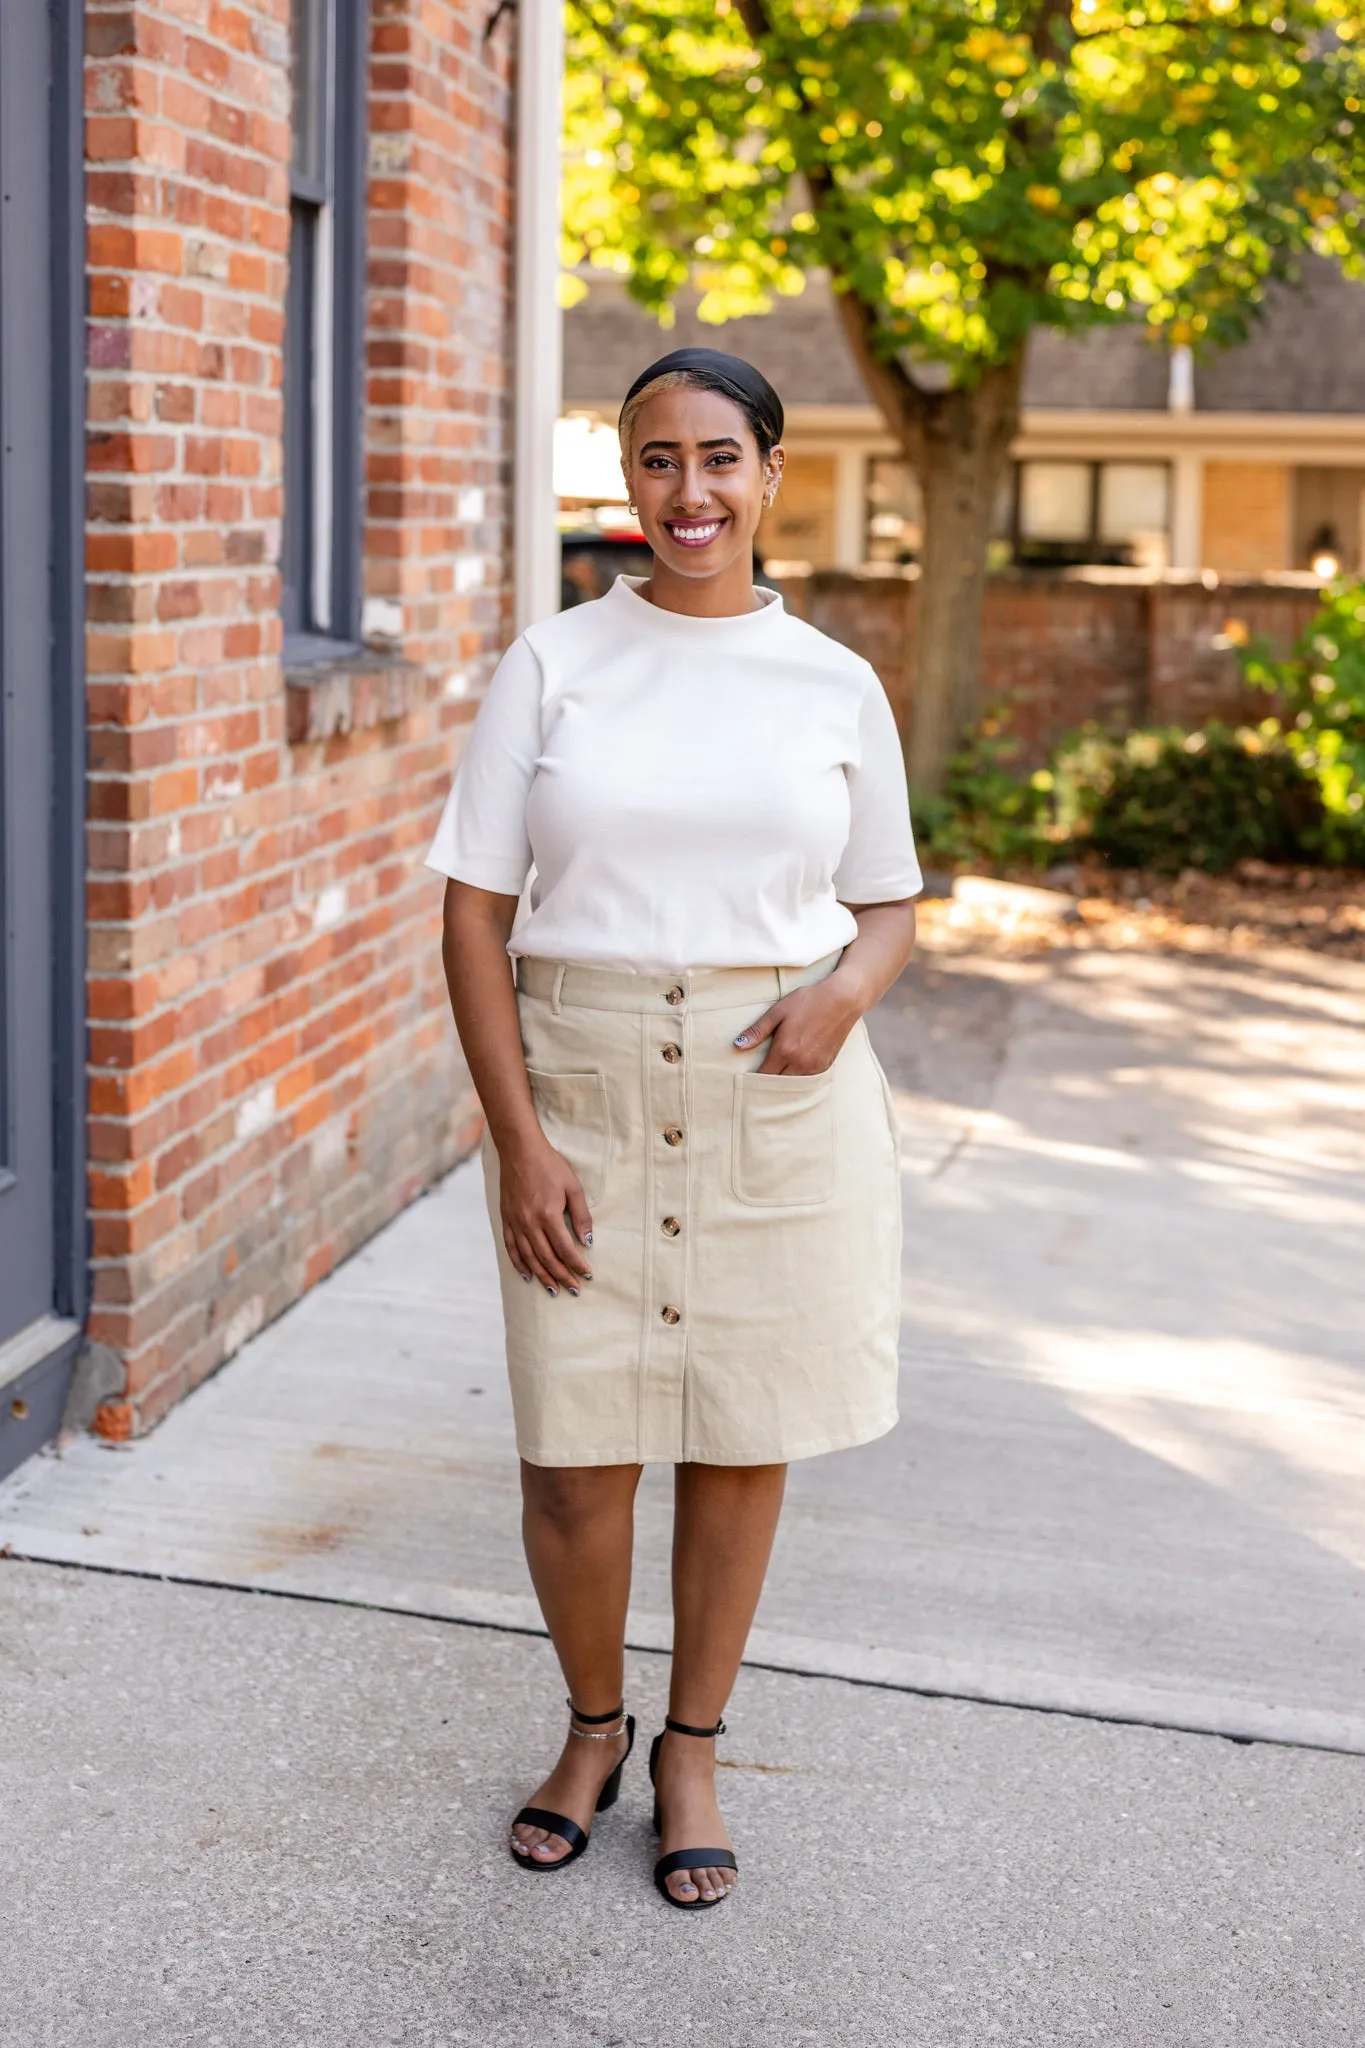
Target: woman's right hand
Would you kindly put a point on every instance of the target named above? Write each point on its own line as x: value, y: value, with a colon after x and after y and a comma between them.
x: 545, y: 1217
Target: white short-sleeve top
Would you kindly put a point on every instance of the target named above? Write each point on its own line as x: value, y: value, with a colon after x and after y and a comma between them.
x: 690, y: 792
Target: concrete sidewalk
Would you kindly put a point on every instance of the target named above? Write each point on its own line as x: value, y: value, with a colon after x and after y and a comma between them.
x: 250, y: 1823
x: 1127, y: 1484
x: 1129, y: 1479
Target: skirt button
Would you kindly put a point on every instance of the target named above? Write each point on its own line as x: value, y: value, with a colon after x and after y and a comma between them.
x: 670, y: 1226
x: 671, y: 1315
x: 674, y: 996
x: 673, y: 1136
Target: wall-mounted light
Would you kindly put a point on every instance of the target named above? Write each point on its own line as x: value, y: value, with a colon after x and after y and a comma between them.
x: 1324, y: 554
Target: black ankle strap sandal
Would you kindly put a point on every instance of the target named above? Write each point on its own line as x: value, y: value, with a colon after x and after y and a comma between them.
x: 594, y: 1729
x: 686, y: 1859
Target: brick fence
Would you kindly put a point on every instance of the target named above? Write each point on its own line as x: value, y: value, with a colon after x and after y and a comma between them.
x: 272, y: 1068
x: 1094, y: 644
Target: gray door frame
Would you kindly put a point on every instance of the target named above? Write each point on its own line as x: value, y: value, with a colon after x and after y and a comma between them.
x: 35, y: 1378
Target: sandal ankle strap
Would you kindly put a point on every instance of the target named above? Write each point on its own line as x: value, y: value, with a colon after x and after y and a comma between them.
x: 681, y: 1728
x: 594, y: 1731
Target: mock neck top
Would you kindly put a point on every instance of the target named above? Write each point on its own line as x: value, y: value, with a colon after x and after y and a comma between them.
x: 681, y: 792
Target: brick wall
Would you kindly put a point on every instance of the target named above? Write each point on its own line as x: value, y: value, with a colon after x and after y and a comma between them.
x: 272, y: 1068
x: 440, y: 253
x: 1059, y: 650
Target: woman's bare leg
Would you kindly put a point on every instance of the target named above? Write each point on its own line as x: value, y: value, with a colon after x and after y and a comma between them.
x: 725, y: 1517
x: 578, y: 1524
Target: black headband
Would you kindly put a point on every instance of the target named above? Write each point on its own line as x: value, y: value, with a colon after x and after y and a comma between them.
x: 730, y: 374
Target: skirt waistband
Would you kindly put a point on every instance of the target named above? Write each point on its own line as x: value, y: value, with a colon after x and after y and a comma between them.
x: 562, y: 983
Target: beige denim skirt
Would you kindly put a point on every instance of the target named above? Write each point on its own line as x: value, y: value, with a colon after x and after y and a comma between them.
x: 745, y: 1301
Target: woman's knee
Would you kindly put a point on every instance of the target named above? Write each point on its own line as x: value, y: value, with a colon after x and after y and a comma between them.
x: 572, y: 1498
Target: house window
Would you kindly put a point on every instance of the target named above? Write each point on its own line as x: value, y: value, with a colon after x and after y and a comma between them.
x: 1056, y: 503
x: 895, y: 511
x: 323, y: 331
x: 1117, y: 513
x: 894, y: 527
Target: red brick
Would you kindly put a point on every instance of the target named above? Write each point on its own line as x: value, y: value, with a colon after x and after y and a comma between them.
x: 210, y: 838
x: 136, y: 452
x: 109, y: 247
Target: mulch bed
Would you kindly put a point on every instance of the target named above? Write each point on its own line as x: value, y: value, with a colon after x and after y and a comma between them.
x: 1321, y: 910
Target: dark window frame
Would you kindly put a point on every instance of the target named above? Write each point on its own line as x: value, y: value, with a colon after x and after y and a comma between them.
x: 327, y: 226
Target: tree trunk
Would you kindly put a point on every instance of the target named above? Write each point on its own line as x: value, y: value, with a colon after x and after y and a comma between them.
x: 960, y: 454
x: 958, y: 443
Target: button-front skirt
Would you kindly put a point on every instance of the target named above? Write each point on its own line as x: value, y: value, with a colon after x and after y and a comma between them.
x: 745, y: 1303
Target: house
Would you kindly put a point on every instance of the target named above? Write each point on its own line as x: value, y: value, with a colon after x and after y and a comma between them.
x: 258, y: 553
x: 1249, y: 462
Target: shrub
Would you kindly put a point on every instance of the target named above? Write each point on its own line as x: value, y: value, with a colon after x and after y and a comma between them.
x: 1161, y: 799
x: 1169, y: 800
x: 988, y: 813
x: 1322, y: 686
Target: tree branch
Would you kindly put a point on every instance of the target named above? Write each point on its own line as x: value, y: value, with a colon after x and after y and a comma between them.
x: 902, y: 404
x: 900, y: 401
x: 1047, y: 44
x: 1194, y: 23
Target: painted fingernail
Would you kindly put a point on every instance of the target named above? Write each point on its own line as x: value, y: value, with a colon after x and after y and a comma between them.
x: 574, y: 1292
x: 743, y: 1038
x: 525, y: 1276
x: 549, y: 1289
x: 588, y: 1238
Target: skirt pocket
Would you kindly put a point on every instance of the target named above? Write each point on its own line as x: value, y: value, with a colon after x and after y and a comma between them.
x: 572, y: 1109
x: 783, y: 1139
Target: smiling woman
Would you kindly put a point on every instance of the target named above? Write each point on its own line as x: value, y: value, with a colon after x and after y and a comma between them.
x: 683, y: 1105
x: 693, y: 478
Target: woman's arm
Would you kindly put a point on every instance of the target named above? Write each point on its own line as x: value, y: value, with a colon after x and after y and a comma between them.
x: 538, y: 1185
x: 808, y: 1027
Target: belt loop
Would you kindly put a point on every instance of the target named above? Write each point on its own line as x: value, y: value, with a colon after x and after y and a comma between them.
x: 560, y: 973
x: 786, y: 980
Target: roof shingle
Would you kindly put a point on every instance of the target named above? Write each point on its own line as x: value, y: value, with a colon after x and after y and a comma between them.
x: 1305, y: 354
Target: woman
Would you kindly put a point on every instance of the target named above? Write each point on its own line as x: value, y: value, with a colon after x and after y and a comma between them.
x: 691, y: 1161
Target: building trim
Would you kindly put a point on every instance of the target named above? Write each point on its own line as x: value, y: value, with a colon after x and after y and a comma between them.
x: 36, y: 1370
x: 1337, y: 439
x: 539, y: 323
x: 1187, y: 511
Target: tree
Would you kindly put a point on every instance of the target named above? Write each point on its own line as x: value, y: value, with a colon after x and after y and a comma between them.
x: 964, y: 171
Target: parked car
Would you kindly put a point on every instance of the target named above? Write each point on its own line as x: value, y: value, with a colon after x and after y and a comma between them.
x: 591, y: 562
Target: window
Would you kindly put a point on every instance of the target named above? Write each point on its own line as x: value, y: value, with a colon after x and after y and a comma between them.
x: 895, y: 515
x: 323, y: 331
x: 1104, y: 512
x: 1135, y: 510
x: 1055, y: 501
x: 894, y: 528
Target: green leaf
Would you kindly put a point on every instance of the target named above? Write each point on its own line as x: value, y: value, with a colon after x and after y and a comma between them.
x: 971, y: 169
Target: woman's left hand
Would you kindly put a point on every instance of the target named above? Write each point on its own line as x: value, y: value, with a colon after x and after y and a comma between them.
x: 807, y: 1029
